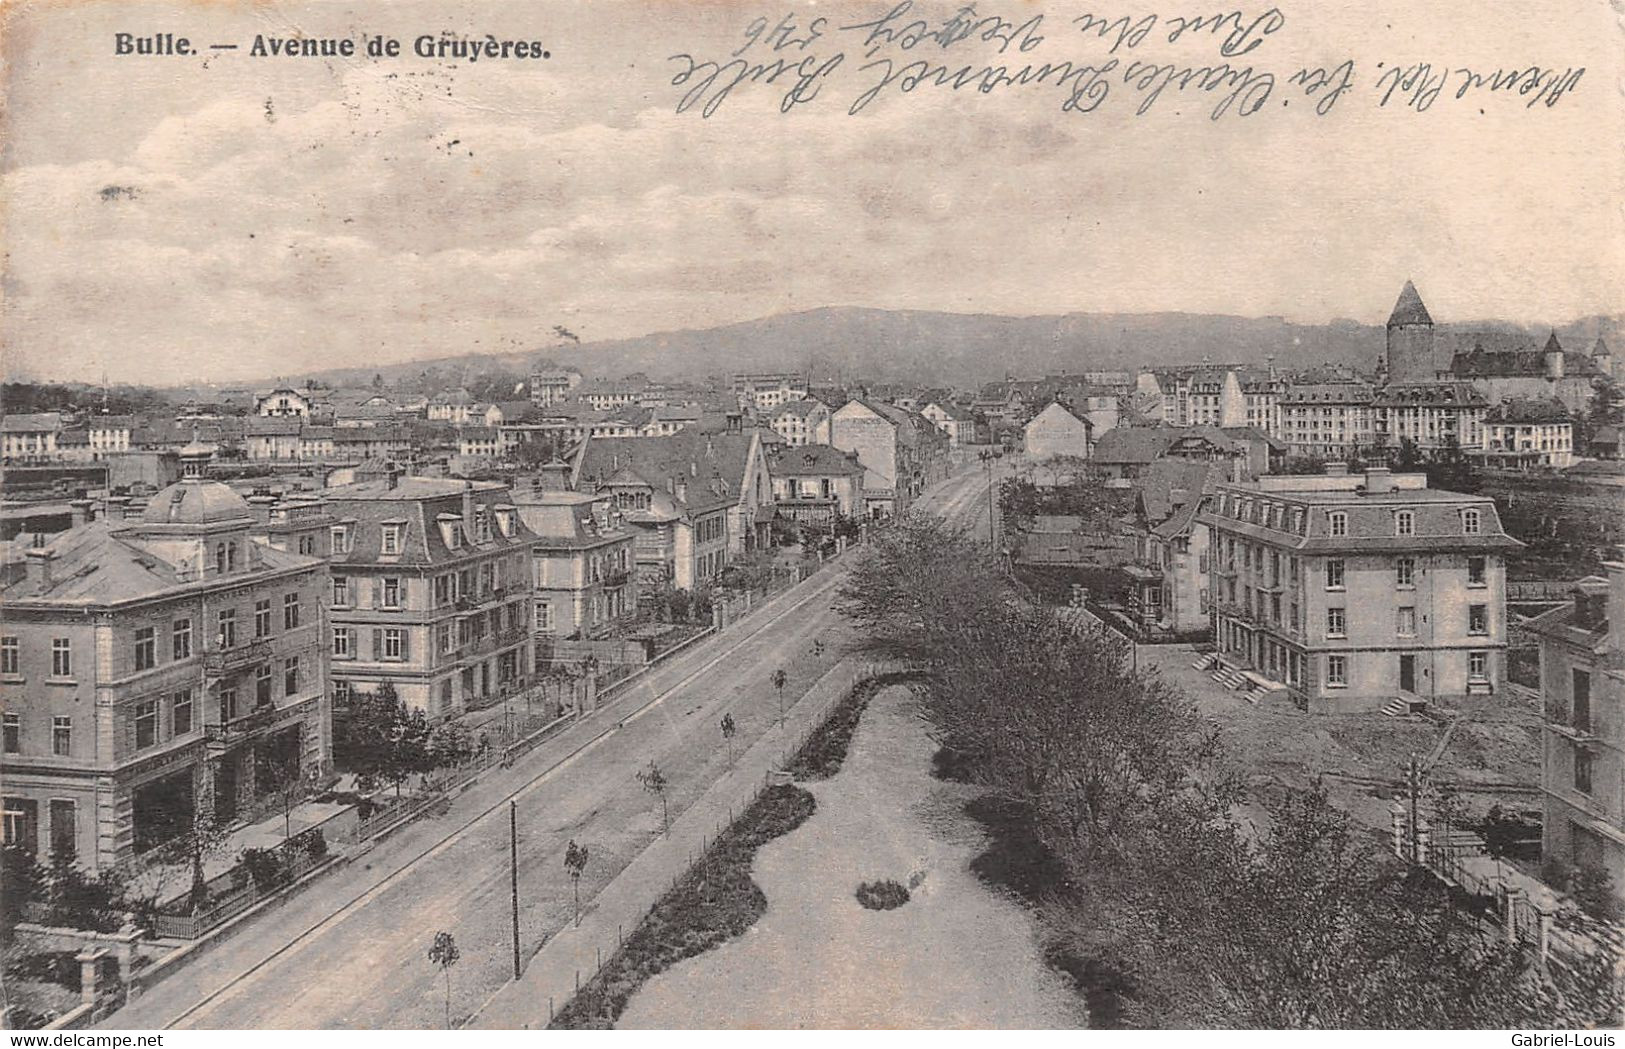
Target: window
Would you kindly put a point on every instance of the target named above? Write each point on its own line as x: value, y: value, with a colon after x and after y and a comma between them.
x: 392, y: 539
x: 1582, y: 701
x: 1478, y: 619
x: 1405, y: 571
x: 442, y: 590
x: 20, y: 823
x: 1334, y: 573
x: 64, y: 828
x: 1478, y: 666
x: 1405, y: 622
x: 1335, y: 622
x: 391, y: 593
x: 146, y: 648
x: 1337, y: 524
x: 146, y: 724
x: 544, y: 615
x: 10, y: 657
x: 290, y: 676
x: 61, y: 657
x: 13, y: 732
x: 341, y: 591
x: 181, y: 709
x: 290, y: 611
x: 445, y: 638
x: 228, y: 705
x: 1582, y: 770
x: 181, y: 635
x: 1471, y: 522
x: 1405, y: 523
x: 262, y: 685
x: 227, y: 624
x: 342, y: 691
x: 339, y: 539
x: 1337, y: 670
x: 394, y: 644
x: 62, y: 736
x: 343, y: 648
x: 262, y: 618
x: 1475, y: 571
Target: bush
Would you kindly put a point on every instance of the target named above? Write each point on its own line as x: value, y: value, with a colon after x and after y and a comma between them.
x: 266, y: 867
x: 882, y: 895
x: 714, y: 902
x: 312, y: 843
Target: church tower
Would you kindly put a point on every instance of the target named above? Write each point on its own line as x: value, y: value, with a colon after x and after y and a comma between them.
x: 1409, y: 354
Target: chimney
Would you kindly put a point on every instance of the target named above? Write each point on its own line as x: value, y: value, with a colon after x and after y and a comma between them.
x: 1378, y: 480
x: 682, y: 491
x: 82, y: 512
x: 1337, y: 469
x: 468, y: 510
x: 260, y: 504
x: 39, y: 566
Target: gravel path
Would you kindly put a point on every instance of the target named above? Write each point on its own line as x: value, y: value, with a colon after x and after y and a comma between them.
x: 957, y: 955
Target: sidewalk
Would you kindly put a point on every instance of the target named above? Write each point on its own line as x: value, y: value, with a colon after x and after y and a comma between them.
x: 574, y: 953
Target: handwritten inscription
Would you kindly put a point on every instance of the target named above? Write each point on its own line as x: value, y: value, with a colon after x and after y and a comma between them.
x: 1087, y: 61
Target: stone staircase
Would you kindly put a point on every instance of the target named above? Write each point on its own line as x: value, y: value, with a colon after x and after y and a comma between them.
x: 1400, y: 707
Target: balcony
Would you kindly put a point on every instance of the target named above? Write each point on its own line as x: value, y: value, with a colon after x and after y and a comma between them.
x: 230, y: 733
x: 219, y: 661
x: 617, y: 579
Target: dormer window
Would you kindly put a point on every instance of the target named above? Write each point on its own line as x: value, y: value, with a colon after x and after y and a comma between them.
x: 391, y: 543
x: 1471, y: 522
x: 451, y: 530
x: 1337, y: 524
x: 341, y: 539
x: 1405, y: 522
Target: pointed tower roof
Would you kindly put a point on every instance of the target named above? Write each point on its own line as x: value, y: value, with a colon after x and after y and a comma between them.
x: 1409, y: 308
x: 1552, y: 345
x: 1601, y: 349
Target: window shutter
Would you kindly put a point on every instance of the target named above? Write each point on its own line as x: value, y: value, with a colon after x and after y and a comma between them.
x: 377, y: 643
x: 406, y: 645
x: 378, y: 592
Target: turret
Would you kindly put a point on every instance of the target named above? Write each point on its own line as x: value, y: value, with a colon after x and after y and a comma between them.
x: 1409, y: 349
x: 1552, y: 358
x: 1602, y: 358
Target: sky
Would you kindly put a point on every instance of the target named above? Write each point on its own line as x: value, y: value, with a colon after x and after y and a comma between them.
x: 223, y: 216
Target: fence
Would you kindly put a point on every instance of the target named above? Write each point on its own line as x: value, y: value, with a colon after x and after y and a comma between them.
x: 232, y: 893
x: 837, y: 684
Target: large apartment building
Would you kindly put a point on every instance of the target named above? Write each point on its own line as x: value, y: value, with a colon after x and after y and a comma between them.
x: 1356, y: 589
x: 583, y: 560
x: 431, y: 581
x: 1582, y: 683
x: 154, y: 668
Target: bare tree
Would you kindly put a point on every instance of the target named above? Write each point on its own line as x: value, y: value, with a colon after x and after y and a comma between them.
x: 654, y: 781
x: 728, y: 730
x: 443, y: 952
x: 575, y: 864
x: 779, y: 679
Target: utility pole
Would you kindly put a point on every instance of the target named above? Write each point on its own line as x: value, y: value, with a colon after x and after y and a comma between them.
x: 513, y: 876
x: 1413, y: 782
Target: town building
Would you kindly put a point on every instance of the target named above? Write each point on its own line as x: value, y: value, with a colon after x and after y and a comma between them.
x: 901, y: 451
x: 158, y: 668
x: 1354, y: 590
x: 431, y: 591
x: 766, y: 393
x: 1327, y: 420
x: 1169, y: 576
x: 1057, y: 431
x: 457, y: 407
x: 1434, y: 417
x: 1582, y: 684
x: 954, y: 421
x: 803, y: 421
x: 27, y: 438
x: 816, y: 483
x: 551, y: 384
x: 284, y: 402
x: 1523, y: 434
x: 584, y: 564
x: 676, y: 498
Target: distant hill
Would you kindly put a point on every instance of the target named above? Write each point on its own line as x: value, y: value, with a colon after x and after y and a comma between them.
x: 961, y: 349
